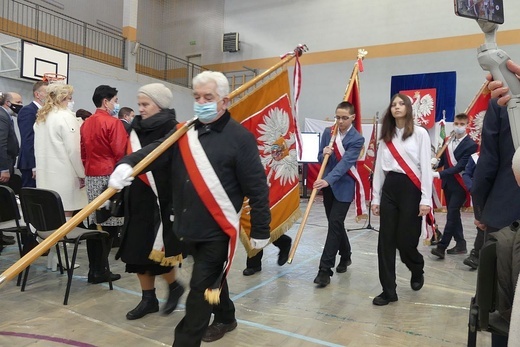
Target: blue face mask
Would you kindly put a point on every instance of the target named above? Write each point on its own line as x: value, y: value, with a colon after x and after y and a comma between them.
x: 207, y: 112
x: 116, y: 109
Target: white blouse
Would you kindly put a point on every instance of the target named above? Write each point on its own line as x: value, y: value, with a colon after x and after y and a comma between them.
x: 418, y: 149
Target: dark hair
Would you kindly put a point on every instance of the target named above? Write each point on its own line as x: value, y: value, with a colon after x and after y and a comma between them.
x: 83, y: 114
x: 388, y: 124
x: 345, y: 105
x: 38, y: 85
x: 124, y: 111
x: 103, y: 92
x: 462, y: 116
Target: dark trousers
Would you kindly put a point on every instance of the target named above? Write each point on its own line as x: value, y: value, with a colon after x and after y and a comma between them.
x: 98, y: 251
x: 455, y: 197
x: 337, y: 239
x: 209, y: 258
x: 282, y: 242
x: 479, y: 240
x: 27, y: 178
x: 400, y: 229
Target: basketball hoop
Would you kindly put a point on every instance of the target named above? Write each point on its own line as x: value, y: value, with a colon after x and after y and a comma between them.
x: 51, y: 77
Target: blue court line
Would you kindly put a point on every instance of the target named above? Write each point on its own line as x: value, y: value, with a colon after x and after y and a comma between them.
x: 250, y: 290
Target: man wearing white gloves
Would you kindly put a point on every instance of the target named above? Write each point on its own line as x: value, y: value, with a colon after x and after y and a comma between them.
x: 214, y: 166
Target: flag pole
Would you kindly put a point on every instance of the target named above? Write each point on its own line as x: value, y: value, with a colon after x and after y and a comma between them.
x: 299, y: 50
x: 56, y: 236
x: 348, y: 91
x: 484, y: 86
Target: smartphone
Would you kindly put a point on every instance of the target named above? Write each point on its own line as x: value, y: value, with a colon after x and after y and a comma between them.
x: 487, y: 10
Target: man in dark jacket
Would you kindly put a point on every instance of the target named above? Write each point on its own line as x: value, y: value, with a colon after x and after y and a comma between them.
x: 214, y: 166
x: 26, y: 119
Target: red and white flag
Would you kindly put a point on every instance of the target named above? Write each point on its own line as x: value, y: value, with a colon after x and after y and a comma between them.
x: 423, y: 105
x: 476, y: 112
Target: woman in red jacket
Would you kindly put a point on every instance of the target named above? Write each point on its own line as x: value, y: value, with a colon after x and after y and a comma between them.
x: 103, y: 144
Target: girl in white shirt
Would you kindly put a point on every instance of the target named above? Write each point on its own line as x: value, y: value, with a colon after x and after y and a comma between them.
x: 402, y: 190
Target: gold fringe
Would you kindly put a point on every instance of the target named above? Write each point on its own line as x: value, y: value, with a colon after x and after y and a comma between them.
x: 158, y: 257
x: 361, y: 216
x: 275, y: 234
x: 427, y: 242
x: 212, y: 296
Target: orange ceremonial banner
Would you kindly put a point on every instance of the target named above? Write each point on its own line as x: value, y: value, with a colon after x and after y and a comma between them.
x: 267, y: 113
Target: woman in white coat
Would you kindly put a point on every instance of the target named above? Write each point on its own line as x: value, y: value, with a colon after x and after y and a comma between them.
x: 57, y: 149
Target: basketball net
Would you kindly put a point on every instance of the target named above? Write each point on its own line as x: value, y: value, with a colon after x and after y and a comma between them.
x: 51, y: 78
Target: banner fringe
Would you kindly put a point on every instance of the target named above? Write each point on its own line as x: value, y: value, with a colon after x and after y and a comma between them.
x: 275, y: 234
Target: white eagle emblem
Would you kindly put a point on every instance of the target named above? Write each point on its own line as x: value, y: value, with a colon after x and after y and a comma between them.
x: 422, y: 108
x: 475, y: 126
x: 277, y: 150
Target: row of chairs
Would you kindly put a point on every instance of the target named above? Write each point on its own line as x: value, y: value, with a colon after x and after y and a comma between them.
x: 42, y: 209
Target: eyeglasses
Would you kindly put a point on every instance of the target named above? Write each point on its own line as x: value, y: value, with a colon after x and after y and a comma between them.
x: 342, y: 117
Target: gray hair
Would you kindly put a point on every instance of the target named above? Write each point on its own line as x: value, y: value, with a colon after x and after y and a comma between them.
x: 213, y: 76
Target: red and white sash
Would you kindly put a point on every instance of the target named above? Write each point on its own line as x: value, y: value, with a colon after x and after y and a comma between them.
x: 210, y: 190
x: 158, y: 245
x: 413, y: 172
x: 359, y: 190
x: 450, y: 158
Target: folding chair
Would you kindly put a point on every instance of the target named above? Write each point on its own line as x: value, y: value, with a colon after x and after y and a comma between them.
x: 43, y: 210
x: 482, y: 313
x: 10, y: 219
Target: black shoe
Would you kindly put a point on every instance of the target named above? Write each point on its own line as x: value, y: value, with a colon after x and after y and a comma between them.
x: 382, y: 299
x: 95, y: 278
x: 343, y: 264
x: 176, y: 291
x: 322, y: 279
x: 216, y: 331
x: 457, y: 250
x: 8, y: 237
x: 472, y: 260
x: 283, y: 256
x: 7, y: 241
x: 417, y: 282
x: 251, y: 271
x: 439, y: 252
x: 436, y: 238
x: 147, y: 305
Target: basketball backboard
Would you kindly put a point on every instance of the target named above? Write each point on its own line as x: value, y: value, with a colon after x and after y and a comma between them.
x: 38, y: 60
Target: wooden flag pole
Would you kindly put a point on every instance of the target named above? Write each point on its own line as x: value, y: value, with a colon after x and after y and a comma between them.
x: 50, y: 241
x: 484, y: 86
x: 298, y: 236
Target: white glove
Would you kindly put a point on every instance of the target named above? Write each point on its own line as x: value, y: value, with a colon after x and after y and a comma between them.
x: 121, y: 178
x: 259, y: 243
x: 436, y: 174
x: 435, y: 162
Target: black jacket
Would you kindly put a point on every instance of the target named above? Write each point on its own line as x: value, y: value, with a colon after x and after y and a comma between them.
x: 233, y: 153
x: 141, y: 209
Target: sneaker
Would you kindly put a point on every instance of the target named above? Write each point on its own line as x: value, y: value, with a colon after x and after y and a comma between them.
x: 322, y: 279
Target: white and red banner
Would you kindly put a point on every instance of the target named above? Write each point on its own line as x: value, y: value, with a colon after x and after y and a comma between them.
x: 267, y: 113
x: 423, y: 105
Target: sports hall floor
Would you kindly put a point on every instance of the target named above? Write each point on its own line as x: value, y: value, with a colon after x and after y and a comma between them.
x: 280, y: 306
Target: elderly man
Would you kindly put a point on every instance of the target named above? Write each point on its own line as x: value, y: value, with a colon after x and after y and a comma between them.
x: 214, y: 166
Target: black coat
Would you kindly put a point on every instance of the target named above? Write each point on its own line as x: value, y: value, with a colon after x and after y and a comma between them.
x: 233, y: 153
x: 496, y: 195
x: 140, y: 203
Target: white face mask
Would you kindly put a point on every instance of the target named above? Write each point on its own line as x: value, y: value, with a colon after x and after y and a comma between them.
x: 70, y: 105
x: 459, y: 130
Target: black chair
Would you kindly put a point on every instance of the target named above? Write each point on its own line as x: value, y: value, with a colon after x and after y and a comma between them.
x: 482, y: 313
x: 43, y: 210
x: 10, y: 215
